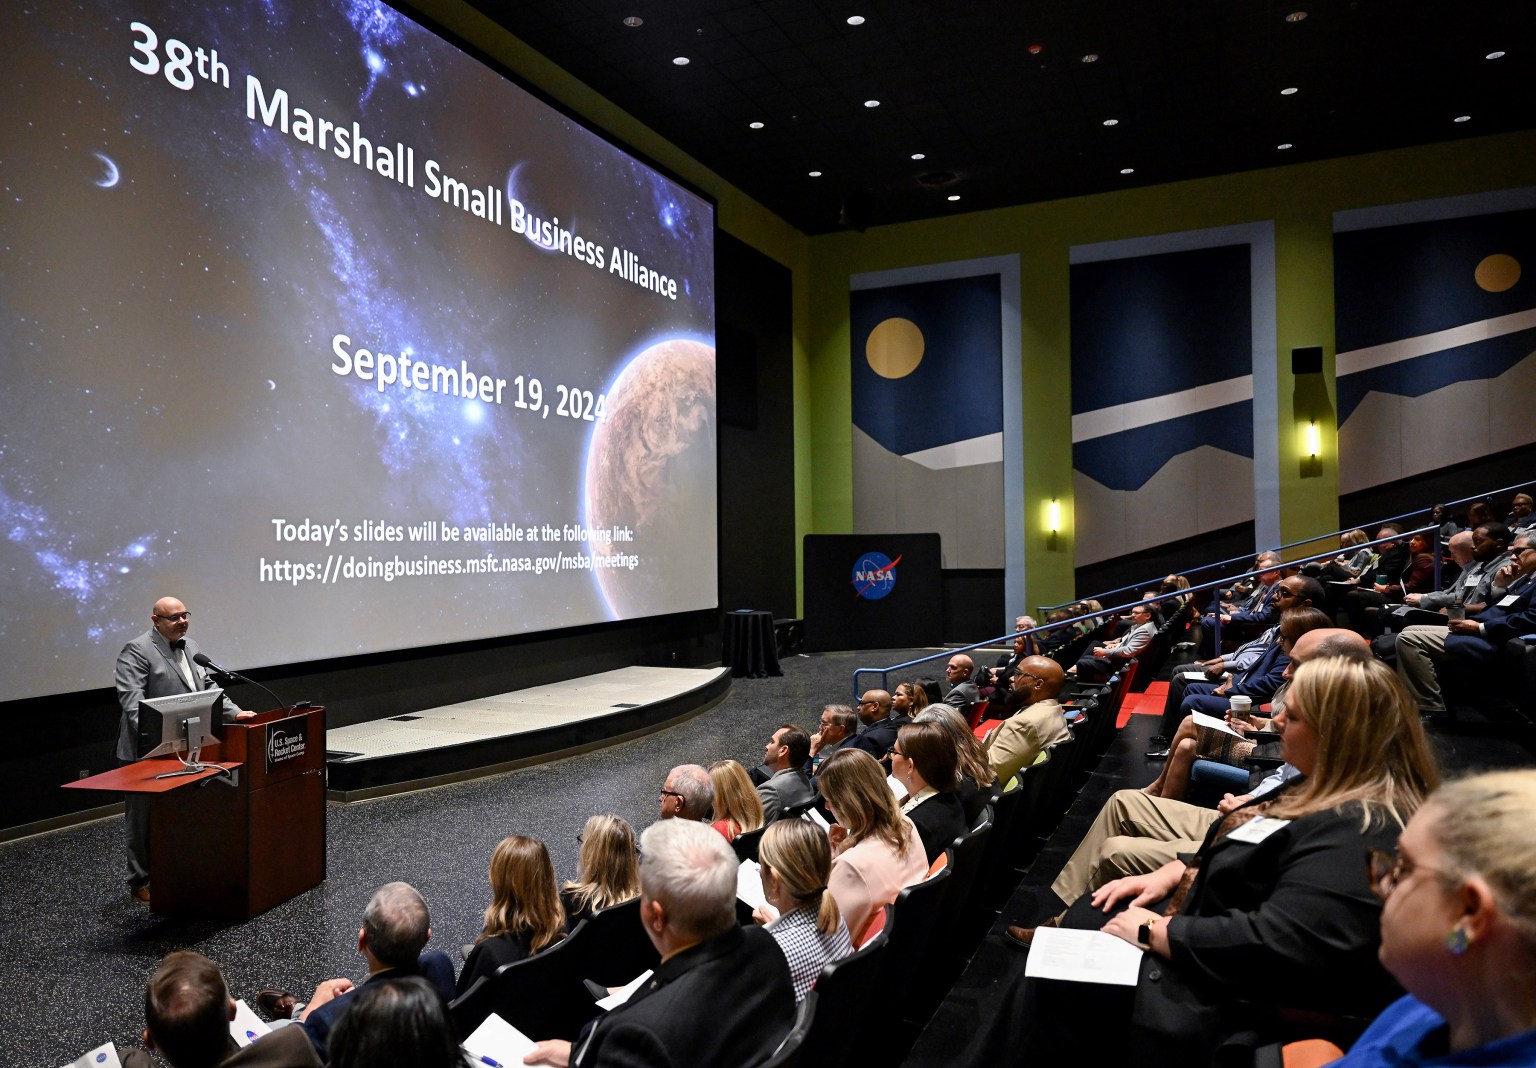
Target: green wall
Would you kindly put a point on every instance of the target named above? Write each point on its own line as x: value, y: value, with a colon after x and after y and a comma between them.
x: 1300, y: 199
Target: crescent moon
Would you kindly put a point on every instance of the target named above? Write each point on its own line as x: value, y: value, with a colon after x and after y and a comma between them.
x: 108, y: 180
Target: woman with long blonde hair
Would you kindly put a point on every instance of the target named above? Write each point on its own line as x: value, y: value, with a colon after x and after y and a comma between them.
x: 796, y: 866
x: 608, y: 871
x: 524, y: 915
x: 738, y: 808
x: 876, y: 850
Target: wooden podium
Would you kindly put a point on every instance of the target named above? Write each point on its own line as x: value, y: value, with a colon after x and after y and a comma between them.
x: 231, y: 847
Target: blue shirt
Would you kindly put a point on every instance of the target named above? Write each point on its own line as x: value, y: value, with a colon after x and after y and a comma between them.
x: 1409, y: 1033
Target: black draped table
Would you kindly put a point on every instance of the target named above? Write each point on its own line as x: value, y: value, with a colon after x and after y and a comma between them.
x: 748, y: 646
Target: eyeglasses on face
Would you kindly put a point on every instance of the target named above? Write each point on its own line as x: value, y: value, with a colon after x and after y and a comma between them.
x: 1386, y: 871
x: 175, y: 617
x: 672, y: 793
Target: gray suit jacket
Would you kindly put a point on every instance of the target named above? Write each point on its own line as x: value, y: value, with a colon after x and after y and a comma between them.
x: 786, y: 788
x: 145, y: 668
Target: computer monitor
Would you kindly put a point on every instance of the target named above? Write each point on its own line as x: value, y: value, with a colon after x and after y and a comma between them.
x: 183, y: 722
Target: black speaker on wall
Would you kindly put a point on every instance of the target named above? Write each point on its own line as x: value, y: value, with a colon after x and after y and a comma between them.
x: 1307, y: 361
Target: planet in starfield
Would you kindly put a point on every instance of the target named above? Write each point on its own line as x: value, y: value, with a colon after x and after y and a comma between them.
x: 651, y: 471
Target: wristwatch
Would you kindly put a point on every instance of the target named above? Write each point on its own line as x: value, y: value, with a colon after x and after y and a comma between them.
x: 1144, y: 932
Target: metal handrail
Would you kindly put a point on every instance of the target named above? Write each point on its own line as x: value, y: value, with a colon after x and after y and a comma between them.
x: 885, y: 672
x: 1281, y: 548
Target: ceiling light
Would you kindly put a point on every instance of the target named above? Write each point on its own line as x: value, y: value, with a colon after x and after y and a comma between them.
x: 755, y: 125
x: 1494, y: 55
x: 954, y: 196
x: 1127, y: 170
x: 1111, y: 122
x: 871, y: 103
x: 1285, y: 146
x: 855, y: 20
x: 681, y: 61
x: 634, y: 20
x: 1288, y: 92
x: 919, y: 155
x: 1036, y: 49
x: 1295, y: 16
x: 815, y: 174
x: 1091, y: 57
x: 1462, y: 118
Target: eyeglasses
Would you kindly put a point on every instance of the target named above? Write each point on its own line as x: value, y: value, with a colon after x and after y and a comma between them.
x: 176, y: 617
x: 1284, y: 592
x: 672, y: 793
x: 894, y: 752
x: 1386, y: 871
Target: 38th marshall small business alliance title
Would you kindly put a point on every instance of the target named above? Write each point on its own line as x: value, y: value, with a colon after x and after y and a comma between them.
x: 399, y: 164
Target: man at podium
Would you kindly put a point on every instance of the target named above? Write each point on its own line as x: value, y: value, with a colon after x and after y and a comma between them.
x: 158, y: 663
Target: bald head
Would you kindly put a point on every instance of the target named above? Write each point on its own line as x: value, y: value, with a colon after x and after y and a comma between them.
x: 1038, y: 678
x: 1328, y: 642
x: 171, y: 618
x: 1460, y: 546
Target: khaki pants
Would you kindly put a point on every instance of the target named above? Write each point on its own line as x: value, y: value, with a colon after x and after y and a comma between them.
x: 1133, y: 834
x: 1418, y: 647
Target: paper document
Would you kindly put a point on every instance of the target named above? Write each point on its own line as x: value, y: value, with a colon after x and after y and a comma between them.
x: 1083, y: 957
x: 815, y: 816
x: 896, y: 787
x: 1215, y: 724
x: 1196, y: 676
x: 247, y: 1027
x: 497, y: 1042
x: 100, y: 1057
x: 621, y: 995
x: 749, y: 884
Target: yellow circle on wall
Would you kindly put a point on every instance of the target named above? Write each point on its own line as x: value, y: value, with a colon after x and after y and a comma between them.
x: 895, y: 348
x: 1497, y: 273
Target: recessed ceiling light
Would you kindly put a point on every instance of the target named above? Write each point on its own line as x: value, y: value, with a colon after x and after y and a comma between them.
x: 1295, y: 16
x: 1462, y: 118
x: 1111, y: 122
x: 954, y: 196
x: 815, y: 174
x: 1285, y: 146
x: 1494, y: 55
x: 1127, y: 170
x: 1289, y: 92
x: 1090, y: 57
x: 855, y: 20
x: 871, y: 103
x: 919, y: 155
x: 634, y: 20
x: 681, y: 61
x: 755, y: 125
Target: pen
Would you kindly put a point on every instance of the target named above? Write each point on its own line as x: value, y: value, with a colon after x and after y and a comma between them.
x: 486, y: 1060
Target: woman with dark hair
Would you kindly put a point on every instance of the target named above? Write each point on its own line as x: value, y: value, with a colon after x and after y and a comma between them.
x: 976, y: 774
x: 608, y: 871
x: 524, y: 916
x: 923, y: 760
x: 796, y: 865
x: 875, y: 849
x: 926, y: 691
x: 390, y: 1022
x: 1417, y: 576
x: 1480, y: 513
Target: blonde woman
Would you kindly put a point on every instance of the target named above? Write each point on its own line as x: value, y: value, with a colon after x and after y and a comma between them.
x: 876, y: 851
x: 608, y: 871
x: 524, y: 916
x: 796, y: 866
x: 738, y: 808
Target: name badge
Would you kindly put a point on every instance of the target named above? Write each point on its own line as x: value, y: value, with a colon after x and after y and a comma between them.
x: 1511, y: 599
x: 1470, y: 580
x: 1257, y: 829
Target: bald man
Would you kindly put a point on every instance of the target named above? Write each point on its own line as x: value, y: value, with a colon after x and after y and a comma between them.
x: 1034, y: 727
x: 161, y: 662
x: 963, y: 693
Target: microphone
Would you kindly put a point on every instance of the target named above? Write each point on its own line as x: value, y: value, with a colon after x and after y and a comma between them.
x: 203, y: 661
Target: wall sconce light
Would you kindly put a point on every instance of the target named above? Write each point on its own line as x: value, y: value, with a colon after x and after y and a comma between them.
x: 1053, y: 516
x: 1314, y: 439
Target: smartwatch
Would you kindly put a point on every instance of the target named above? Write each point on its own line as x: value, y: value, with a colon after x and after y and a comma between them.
x: 1144, y: 932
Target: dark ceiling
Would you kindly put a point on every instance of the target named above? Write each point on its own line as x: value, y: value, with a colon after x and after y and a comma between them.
x: 997, y: 96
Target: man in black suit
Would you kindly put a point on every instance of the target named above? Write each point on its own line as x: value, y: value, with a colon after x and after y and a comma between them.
x: 880, y: 725
x: 722, y: 993
x: 161, y: 662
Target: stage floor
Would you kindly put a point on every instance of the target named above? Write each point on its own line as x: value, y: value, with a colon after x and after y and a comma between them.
x: 490, y: 734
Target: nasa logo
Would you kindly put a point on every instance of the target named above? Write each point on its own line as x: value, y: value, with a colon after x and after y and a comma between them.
x: 874, y: 576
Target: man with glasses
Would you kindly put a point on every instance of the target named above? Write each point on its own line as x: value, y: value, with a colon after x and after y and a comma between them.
x: 1472, y: 641
x: 161, y: 662
x: 1040, y: 723
x: 836, y: 729
x: 687, y: 794
x: 880, y: 725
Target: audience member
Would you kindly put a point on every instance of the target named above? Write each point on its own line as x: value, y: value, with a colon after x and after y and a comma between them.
x: 1458, y: 930
x: 1104, y: 660
x: 1519, y: 517
x: 1441, y: 516
x: 876, y: 850
x: 1273, y: 917
x: 396, y: 927
x: 839, y: 724
x: 687, y: 794
x: 962, y: 692
x: 796, y: 865
x: 932, y: 691
x: 187, y: 1011
x: 399, y: 1021
x: 785, y: 755
x: 1417, y: 577
x: 1248, y: 604
x: 923, y: 760
x: 1036, y: 726
x: 1479, y: 513
x: 738, y: 808
x: 880, y: 724
x: 607, y: 872
x: 524, y: 916
x: 976, y: 775
x: 722, y: 993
